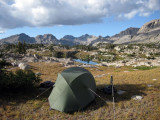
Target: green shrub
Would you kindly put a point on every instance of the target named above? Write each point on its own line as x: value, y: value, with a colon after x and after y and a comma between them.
x: 85, y: 47
x: 143, y: 67
x: 58, y: 54
x: 131, y: 55
x: 3, y: 63
x: 21, y: 47
x: 19, y: 80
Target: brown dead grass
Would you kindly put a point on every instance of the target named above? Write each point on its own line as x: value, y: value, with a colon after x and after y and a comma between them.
x: 133, y: 82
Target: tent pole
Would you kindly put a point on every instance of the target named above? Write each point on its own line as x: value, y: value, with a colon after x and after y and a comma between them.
x: 113, y: 96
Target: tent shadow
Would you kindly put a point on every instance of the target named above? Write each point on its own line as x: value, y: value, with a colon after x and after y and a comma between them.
x: 130, y: 90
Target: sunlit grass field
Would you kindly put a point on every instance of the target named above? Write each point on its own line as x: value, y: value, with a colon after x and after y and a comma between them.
x: 135, y: 82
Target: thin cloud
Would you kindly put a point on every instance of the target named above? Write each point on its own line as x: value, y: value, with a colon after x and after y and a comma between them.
x: 2, y: 32
x: 20, y: 13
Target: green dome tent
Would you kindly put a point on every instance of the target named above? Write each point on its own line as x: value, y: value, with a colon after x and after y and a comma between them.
x: 71, y: 90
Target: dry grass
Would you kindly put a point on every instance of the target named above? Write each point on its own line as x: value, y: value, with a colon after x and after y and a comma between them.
x: 49, y: 70
x: 134, y: 82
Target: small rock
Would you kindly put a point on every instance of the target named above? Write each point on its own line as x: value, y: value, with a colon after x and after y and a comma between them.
x: 126, y: 71
x: 136, y: 97
x: 14, y: 64
x: 100, y: 75
x: 120, y: 92
x: 38, y: 73
x: 134, y: 65
x: 154, y: 79
x: 99, y: 70
x: 28, y: 54
x: 69, y: 62
x: 149, y: 85
x: 117, y: 66
x: 101, y: 64
x: 48, y: 61
x: 24, y: 66
x: 31, y: 59
x: 36, y: 56
x: 135, y: 69
x: 46, y: 58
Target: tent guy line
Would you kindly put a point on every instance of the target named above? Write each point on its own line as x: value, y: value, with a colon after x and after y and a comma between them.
x: 43, y: 92
x: 97, y: 95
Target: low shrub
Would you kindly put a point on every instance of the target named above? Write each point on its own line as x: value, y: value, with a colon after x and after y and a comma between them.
x: 3, y: 63
x: 21, y: 79
x: 18, y: 80
x: 143, y: 67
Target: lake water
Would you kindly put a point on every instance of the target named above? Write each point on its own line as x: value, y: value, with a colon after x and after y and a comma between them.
x: 85, y: 62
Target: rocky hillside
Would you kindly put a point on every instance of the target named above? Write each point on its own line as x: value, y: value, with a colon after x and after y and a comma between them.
x: 149, y: 32
x: 19, y: 37
x: 128, y: 31
x: 84, y: 39
x: 124, y: 36
x: 153, y: 25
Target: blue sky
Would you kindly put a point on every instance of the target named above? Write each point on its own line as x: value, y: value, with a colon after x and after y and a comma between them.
x: 100, y: 22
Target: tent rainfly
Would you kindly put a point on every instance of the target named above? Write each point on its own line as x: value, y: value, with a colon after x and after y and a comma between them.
x: 71, y: 90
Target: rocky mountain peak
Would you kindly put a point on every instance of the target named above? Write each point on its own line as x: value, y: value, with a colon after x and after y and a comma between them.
x: 22, y: 34
x: 46, y: 39
x: 107, y: 37
x: 84, y: 37
x: 150, y: 26
x: 68, y: 37
x: 49, y: 37
x: 24, y: 37
x: 39, y: 36
x: 128, y: 31
x: 14, y: 39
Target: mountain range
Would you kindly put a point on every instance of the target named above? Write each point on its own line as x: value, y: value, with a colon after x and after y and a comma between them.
x: 148, y: 33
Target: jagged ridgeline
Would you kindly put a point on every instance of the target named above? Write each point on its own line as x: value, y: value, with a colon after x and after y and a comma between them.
x: 148, y: 33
